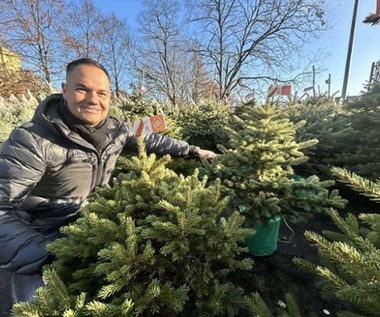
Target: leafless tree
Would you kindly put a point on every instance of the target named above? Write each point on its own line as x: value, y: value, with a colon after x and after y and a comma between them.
x: 201, y: 86
x: 161, y: 55
x: 19, y: 82
x: 83, y: 34
x: 253, y: 37
x: 29, y: 28
x: 117, y: 48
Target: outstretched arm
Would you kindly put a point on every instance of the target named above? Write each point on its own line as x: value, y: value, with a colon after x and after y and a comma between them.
x: 161, y: 144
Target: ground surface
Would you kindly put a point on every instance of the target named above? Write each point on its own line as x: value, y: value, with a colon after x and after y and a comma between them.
x: 275, y: 275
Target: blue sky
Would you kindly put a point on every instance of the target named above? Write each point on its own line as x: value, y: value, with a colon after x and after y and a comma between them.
x: 366, y: 44
x: 333, y: 43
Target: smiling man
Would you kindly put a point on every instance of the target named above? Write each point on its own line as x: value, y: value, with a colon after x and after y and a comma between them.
x: 49, y: 165
x: 87, y: 92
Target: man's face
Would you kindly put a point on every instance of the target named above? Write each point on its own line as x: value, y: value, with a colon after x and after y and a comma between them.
x: 87, y: 93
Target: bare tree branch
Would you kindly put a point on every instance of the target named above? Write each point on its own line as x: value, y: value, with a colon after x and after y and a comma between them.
x: 29, y: 27
x: 245, y: 36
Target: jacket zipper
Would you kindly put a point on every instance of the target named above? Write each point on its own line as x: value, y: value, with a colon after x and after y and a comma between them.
x: 100, y: 165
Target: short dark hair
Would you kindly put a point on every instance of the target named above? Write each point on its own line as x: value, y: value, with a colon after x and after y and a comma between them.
x: 85, y: 60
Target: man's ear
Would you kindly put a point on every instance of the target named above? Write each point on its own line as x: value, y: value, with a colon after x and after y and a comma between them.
x: 64, y: 89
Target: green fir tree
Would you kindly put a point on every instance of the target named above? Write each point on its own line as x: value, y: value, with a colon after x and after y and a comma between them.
x: 325, y: 122
x: 204, y: 124
x: 136, y: 105
x: 14, y: 112
x: 361, y: 142
x: 152, y: 244
x: 256, y: 169
x: 348, y: 134
x: 349, y: 258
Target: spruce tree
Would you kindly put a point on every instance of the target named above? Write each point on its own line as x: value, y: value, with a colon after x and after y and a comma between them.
x: 152, y: 244
x: 204, y: 124
x: 349, y: 268
x: 256, y: 169
x: 137, y: 106
x: 14, y: 112
x: 360, y: 150
x: 348, y: 134
x: 326, y: 122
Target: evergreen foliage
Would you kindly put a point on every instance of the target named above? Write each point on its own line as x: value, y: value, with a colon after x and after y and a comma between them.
x: 14, y: 112
x: 204, y: 124
x: 137, y: 106
x: 289, y: 308
x: 256, y: 169
x: 373, y: 89
x: 360, y: 150
x: 348, y: 135
x: 54, y: 300
x: 201, y: 125
x: 366, y: 187
x: 325, y: 122
x: 349, y: 268
x: 153, y: 244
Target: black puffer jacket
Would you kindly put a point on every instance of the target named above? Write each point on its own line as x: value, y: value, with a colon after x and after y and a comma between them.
x: 46, y: 174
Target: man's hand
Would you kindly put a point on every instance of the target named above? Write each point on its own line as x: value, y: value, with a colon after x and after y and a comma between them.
x: 206, y: 155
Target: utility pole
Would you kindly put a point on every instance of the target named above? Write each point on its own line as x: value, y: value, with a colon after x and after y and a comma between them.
x: 349, y: 51
x: 328, y: 82
x: 371, y: 77
x: 313, y: 81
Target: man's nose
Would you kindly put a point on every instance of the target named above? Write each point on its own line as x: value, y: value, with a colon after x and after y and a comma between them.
x: 92, y: 97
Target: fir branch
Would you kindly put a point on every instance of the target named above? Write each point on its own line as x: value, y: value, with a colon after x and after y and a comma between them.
x: 257, y: 306
x: 360, y: 184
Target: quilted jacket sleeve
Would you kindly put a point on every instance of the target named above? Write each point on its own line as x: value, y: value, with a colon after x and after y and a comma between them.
x: 159, y: 144
x: 22, y: 249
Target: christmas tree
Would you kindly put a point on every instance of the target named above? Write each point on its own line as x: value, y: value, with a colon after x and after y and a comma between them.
x: 203, y: 124
x: 256, y: 169
x: 326, y: 122
x: 138, y: 106
x: 360, y: 150
x: 349, y: 268
x: 348, y: 135
x: 14, y: 112
x: 152, y: 244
